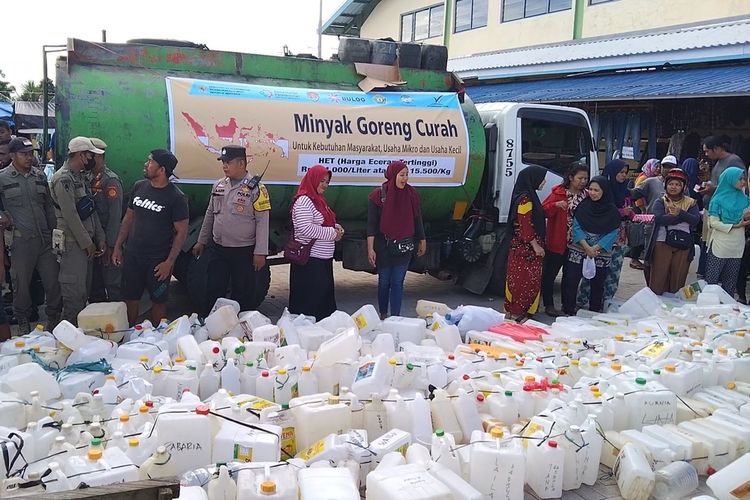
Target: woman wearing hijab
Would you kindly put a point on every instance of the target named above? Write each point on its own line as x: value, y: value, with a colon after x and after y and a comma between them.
x: 311, y: 289
x: 691, y: 167
x: 728, y: 216
x: 559, y: 207
x: 652, y: 168
x: 394, y: 225
x: 526, y: 255
x: 675, y: 217
x: 596, y: 224
x: 616, y: 174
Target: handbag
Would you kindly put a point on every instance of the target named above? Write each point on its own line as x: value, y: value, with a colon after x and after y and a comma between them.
x: 679, y: 239
x: 636, y: 233
x: 397, y: 248
x: 296, y: 252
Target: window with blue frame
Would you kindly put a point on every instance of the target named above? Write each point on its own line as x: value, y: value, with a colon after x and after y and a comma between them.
x: 422, y: 24
x: 470, y: 14
x: 520, y: 9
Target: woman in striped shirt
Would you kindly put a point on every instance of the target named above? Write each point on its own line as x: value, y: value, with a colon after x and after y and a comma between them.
x: 311, y: 288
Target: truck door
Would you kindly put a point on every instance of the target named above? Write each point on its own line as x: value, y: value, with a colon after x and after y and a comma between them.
x: 555, y: 138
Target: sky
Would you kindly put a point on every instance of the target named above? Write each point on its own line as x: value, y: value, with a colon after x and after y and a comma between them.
x: 251, y: 26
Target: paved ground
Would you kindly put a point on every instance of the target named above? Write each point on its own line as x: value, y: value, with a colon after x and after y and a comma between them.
x: 354, y: 289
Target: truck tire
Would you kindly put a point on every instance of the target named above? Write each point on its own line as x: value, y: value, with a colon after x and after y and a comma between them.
x: 354, y: 50
x: 409, y: 55
x: 434, y: 57
x: 496, y: 286
x: 383, y: 52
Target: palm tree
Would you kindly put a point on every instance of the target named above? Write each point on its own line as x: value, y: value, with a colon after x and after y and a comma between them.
x: 31, y: 91
x: 6, y: 89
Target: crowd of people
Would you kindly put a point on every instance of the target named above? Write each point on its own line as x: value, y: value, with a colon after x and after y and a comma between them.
x: 68, y: 238
x: 85, y: 243
x: 587, y: 226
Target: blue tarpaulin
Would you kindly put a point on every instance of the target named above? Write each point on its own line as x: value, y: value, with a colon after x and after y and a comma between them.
x: 655, y: 84
x: 6, y: 112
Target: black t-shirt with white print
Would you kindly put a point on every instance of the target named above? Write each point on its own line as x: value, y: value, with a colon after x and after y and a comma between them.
x: 156, y: 210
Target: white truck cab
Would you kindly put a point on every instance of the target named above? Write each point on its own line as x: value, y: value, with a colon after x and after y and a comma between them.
x: 519, y: 135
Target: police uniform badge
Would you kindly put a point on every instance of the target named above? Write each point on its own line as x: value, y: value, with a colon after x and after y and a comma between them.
x: 263, y: 203
x: 112, y: 192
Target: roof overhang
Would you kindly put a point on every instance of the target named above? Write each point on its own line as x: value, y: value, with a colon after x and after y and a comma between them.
x: 348, y: 19
x: 656, y: 83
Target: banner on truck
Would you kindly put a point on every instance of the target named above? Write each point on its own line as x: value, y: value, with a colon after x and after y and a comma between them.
x: 354, y: 134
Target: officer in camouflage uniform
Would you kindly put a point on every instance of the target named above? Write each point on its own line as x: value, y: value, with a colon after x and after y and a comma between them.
x: 236, y: 229
x: 107, y: 190
x: 79, y: 236
x: 25, y: 196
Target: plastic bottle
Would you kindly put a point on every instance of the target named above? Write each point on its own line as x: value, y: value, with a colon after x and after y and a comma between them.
x: 675, y: 481
x: 308, y: 382
x: 497, y: 467
x: 208, y: 382
x: 156, y: 465
x: 732, y: 481
x: 442, y: 450
x: 467, y: 413
x: 544, y: 469
x: 633, y: 473
x: 264, y: 386
x: 444, y: 416
x: 376, y: 417
x: 248, y: 378
x: 230, y: 377
x: 222, y: 487
x: 285, y: 386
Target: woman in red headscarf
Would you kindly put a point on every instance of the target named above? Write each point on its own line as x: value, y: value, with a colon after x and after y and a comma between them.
x: 311, y: 289
x: 394, y: 231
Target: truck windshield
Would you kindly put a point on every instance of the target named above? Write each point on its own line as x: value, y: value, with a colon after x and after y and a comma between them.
x: 555, y: 145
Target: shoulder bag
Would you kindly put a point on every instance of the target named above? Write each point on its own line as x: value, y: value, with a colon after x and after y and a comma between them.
x: 679, y: 239
x: 396, y: 248
x: 296, y: 252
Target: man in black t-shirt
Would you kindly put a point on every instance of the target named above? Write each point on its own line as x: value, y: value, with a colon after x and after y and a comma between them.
x: 155, y: 227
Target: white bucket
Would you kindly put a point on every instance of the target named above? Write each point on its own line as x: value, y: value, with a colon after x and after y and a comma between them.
x: 367, y: 320
x: 633, y: 473
x: 405, y: 481
x: 221, y: 321
x: 187, y: 438
x: 27, y: 378
x: 405, y: 329
x: 108, y: 320
x: 326, y: 482
x: 236, y: 443
x: 675, y: 481
x: 732, y: 482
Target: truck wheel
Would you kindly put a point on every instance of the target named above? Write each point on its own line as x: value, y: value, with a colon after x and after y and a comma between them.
x: 353, y: 50
x: 383, y: 52
x: 496, y: 286
x: 262, y: 284
x: 434, y: 57
x: 409, y: 55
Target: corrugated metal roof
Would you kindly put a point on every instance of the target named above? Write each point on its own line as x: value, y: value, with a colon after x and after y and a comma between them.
x: 687, y: 43
x: 655, y: 84
x: 348, y: 19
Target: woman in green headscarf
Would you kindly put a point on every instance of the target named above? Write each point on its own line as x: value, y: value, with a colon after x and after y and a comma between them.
x: 728, y: 215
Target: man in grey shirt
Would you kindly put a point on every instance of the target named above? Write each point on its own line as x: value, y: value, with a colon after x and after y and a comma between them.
x: 653, y: 188
x: 716, y: 149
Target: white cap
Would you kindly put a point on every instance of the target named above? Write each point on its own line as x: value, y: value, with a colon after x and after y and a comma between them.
x: 669, y: 159
x: 78, y: 144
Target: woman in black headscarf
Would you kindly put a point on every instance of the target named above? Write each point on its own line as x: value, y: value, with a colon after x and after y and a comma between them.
x: 526, y: 255
x: 596, y: 223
